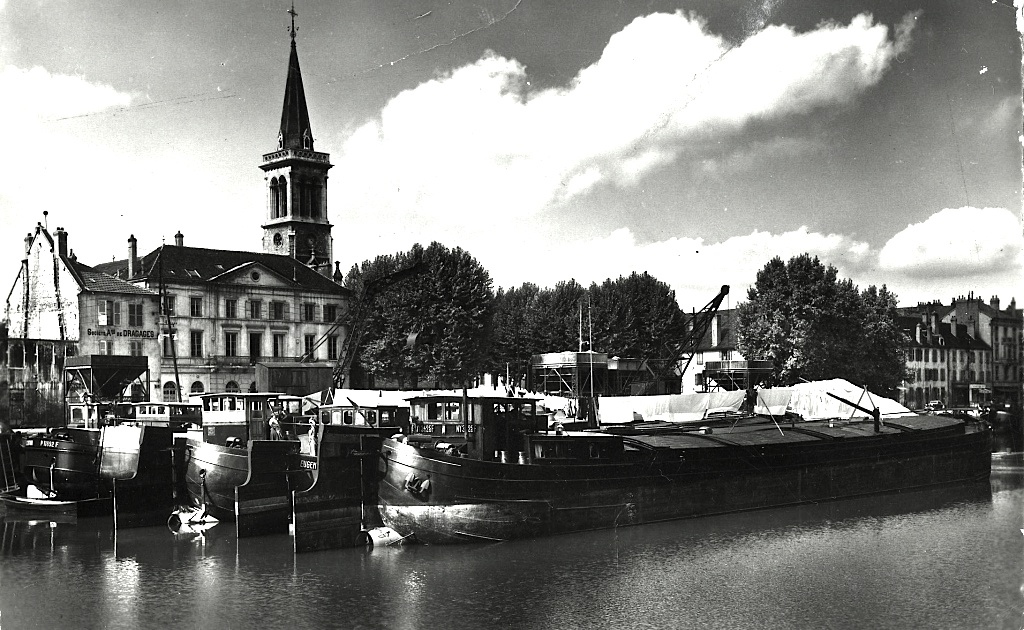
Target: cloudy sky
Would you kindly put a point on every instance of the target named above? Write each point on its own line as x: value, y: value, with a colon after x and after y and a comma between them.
x: 552, y: 139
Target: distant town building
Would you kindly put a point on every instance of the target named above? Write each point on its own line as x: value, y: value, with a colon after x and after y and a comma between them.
x: 945, y: 362
x: 717, y: 363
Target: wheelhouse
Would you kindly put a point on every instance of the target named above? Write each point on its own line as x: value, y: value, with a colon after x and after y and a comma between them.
x: 482, y: 427
x: 167, y: 414
x: 232, y: 419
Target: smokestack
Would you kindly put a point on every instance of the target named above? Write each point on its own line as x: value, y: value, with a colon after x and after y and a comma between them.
x: 179, y: 239
x: 62, y: 242
x: 133, y: 255
x: 994, y: 302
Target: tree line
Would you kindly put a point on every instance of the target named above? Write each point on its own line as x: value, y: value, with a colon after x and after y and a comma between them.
x: 445, y: 324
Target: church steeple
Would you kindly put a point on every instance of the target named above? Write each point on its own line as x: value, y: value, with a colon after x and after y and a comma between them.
x: 295, y: 132
x: 296, y: 177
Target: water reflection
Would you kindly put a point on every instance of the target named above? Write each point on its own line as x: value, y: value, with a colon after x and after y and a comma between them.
x: 902, y: 560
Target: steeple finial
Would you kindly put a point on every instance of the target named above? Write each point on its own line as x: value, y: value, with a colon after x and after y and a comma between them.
x: 293, y: 30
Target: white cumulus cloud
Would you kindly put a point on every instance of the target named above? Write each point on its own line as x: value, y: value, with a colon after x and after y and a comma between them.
x: 479, y: 138
x: 957, y: 241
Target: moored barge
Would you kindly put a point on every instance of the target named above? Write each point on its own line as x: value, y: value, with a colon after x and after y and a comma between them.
x: 493, y: 471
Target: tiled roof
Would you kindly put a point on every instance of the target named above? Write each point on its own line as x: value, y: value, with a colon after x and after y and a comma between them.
x: 93, y: 280
x: 196, y: 265
x: 959, y: 339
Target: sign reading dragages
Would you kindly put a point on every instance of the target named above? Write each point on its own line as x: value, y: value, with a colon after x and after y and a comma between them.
x: 125, y: 332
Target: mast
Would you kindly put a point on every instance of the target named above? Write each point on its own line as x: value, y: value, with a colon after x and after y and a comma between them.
x: 170, y: 328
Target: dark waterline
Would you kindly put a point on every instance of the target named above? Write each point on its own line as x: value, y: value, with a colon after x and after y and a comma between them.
x: 950, y: 557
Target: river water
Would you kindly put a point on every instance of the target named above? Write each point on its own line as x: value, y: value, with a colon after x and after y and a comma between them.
x: 943, y: 558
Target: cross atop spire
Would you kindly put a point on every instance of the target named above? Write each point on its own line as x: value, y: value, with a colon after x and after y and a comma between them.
x: 293, y: 30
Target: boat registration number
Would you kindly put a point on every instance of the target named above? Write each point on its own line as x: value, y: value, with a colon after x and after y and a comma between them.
x: 48, y: 443
x: 307, y: 465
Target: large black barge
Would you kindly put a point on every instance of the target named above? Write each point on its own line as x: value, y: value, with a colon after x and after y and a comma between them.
x: 488, y: 468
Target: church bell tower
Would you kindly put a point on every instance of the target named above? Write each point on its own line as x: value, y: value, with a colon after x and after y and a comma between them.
x: 296, y: 181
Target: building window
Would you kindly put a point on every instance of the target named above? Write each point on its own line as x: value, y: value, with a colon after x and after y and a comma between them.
x: 231, y: 387
x: 278, y: 345
x: 197, y: 388
x: 255, y: 345
x: 110, y: 313
x: 255, y: 309
x: 332, y: 348
x: 134, y: 314
x: 168, y: 305
x: 277, y: 310
x: 106, y: 347
x: 309, y: 343
x: 330, y: 313
x: 135, y: 348
x: 196, y: 343
x: 231, y: 344
x: 170, y: 392
x: 168, y: 344
x: 308, y: 312
x: 195, y: 306
x: 230, y: 308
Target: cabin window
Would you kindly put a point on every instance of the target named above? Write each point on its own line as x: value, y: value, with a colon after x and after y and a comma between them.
x: 170, y: 392
x: 197, y: 388
x: 231, y: 387
x: 348, y: 417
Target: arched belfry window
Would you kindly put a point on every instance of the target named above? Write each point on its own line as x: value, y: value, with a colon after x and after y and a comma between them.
x: 303, y: 198
x: 307, y: 142
x: 315, y: 198
x: 280, y: 141
x: 275, y: 202
x: 282, y: 197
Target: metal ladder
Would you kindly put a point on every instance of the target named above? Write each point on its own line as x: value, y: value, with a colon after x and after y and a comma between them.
x: 8, y: 482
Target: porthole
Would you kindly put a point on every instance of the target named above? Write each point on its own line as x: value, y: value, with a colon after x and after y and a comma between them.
x: 255, y: 276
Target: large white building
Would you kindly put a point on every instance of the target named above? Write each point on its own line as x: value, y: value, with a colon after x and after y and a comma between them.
x: 204, y: 317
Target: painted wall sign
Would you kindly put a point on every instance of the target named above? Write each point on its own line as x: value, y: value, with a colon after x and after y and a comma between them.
x: 127, y: 332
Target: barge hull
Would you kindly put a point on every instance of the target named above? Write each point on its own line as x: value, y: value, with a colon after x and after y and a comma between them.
x: 471, y: 500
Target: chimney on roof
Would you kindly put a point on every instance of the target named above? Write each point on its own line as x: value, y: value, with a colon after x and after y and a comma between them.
x: 133, y: 256
x: 338, y: 276
x: 28, y: 244
x: 62, y: 242
x: 1013, y: 304
x: 179, y: 239
x: 935, y: 323
x: 994, y: 302
x: 917, y: 333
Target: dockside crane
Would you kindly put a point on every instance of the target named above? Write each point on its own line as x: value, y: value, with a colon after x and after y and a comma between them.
x: 679, y: 353
x: 356, y: 318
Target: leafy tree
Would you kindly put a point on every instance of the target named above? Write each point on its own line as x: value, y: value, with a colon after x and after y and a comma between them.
x: 636, y: 316
x: 512, y: 341
x: 432, y: 325
x: 815, y: 326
